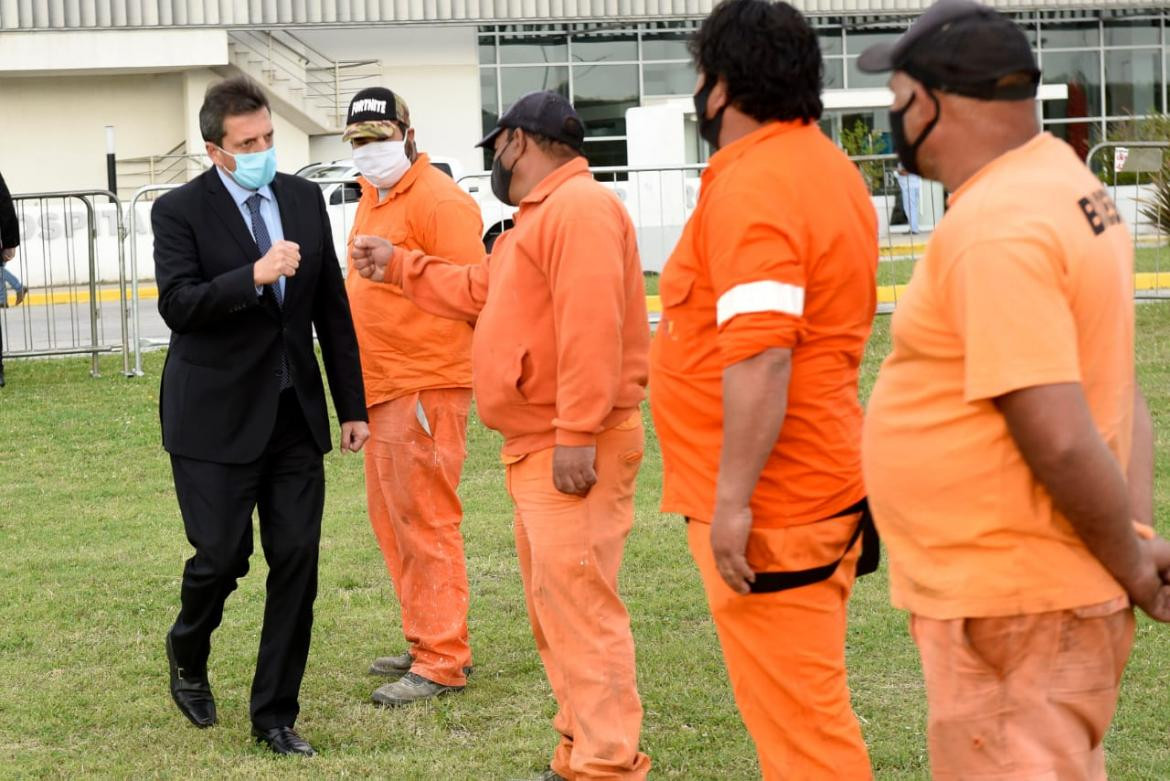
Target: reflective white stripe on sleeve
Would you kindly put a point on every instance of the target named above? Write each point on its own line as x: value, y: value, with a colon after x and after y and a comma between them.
x: 763, y: 296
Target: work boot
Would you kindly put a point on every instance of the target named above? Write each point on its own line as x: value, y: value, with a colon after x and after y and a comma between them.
x: 392, y: 665
x: 551, y: 775
x: 410, y: 688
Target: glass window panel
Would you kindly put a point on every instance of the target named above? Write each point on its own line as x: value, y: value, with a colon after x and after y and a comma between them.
x: 858, y: 79
x: 488, y: 99
x: 1070, y: 35
x: 1082, y: 73
x: 834, y: 73
x: 666, y: 46
x: 830, y: 40
x: 602, y: 95
x: 610, y: 152
x: 487, y: 51
x: 668, y: 78
x: 866, y: 132
x: 534, y: 48
x: 1081, y: 136
x: 859, y: 41
x: 515, y: 83
x: 1141, y: 32
x: 603, y: 47
x: 1133, y: 81
x: 1029, y: 30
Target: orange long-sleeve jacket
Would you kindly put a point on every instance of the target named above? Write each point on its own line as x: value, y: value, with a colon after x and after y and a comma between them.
x: 561, y: 343
x: 405, y: 349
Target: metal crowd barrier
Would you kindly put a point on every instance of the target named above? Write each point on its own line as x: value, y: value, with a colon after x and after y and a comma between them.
x: 1137, y: 178
x: 899, y: 200
x: 1130, y: 172
x: 136, y: 227
x: 662, y: 198
x: 140, y: 239
x: 71, y: 260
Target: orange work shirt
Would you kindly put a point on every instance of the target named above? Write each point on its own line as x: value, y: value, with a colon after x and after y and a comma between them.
x: 781, y: 252
x: 1027, y: 281
x: 403, y: 348
x: 561, y: 335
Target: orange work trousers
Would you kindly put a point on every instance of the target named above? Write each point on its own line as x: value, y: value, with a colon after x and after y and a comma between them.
x: 785, y: 651
x: 413, y: 463
x: 1026, y: 697
x: 570, y: 551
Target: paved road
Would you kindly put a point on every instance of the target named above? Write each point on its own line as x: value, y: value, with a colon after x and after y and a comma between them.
x: 61, y: 321
x: 60, y: 326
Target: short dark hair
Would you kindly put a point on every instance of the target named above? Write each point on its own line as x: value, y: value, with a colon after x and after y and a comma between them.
x: 767, y: 54
x: 553, y: 147
x: 229, y: 98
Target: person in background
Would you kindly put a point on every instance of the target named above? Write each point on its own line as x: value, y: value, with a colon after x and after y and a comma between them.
x: 9, y: 241
x: 1008, y: 451
x: 768, y: 300
x: 416, y: 368
x: 911, y: 187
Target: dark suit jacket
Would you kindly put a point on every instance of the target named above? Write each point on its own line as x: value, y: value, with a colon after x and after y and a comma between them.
x: 9, y: 225
x: 220, y: 387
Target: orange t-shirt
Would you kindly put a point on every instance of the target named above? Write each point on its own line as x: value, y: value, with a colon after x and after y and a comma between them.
x: 561, y: 334
x: 403, y: 348
x: 781, y: 252
x: 1026, y: 282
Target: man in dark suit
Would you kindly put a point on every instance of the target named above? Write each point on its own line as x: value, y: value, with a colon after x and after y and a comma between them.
x: 246, y: 269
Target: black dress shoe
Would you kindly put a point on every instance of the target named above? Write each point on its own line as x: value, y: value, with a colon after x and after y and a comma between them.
x: 191, y: 691
x: 283, y: 740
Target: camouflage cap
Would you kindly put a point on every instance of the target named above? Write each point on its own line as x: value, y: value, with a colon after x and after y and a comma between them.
x: 378, y: 130
x: 375, y: 108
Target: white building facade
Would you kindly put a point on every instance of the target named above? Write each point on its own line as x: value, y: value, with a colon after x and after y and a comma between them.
x: 68, y: 68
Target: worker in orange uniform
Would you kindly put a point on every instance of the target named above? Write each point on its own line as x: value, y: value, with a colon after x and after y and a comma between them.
x: 559, y: 357
x: 768, y: 300
x: 1006, y: 419
x: 417, y: 369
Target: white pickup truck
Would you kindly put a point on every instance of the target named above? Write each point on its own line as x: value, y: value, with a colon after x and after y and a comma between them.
x: 659, y: 201
x: 342, y: 192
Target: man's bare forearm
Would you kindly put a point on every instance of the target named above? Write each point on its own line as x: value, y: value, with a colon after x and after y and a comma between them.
x: 1054, y: 431
x: 755, y: 400
x: 1140, y: 475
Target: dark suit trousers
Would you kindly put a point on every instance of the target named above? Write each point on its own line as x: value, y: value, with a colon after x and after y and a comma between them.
x: 287, y: 484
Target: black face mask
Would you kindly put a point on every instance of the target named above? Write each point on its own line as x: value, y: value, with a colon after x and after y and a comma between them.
x: 908, y: 151
x: 502, y: 177
x: 708, y: 128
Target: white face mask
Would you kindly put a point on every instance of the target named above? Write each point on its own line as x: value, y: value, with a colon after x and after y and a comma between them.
x: 382, y: 163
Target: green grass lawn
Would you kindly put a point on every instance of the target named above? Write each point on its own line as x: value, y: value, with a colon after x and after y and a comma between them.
x: 94, y: 548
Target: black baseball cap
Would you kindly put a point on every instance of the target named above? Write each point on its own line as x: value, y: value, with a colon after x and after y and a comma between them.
x: 961, y: 47
x: 546, y: 113
x: 377, y: 104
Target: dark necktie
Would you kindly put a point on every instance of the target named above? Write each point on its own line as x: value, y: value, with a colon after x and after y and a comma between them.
x: 264, y: 243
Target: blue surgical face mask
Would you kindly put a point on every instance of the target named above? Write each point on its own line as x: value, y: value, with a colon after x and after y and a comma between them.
x: 254, y: 169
